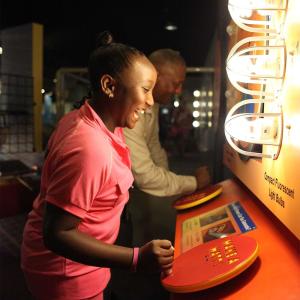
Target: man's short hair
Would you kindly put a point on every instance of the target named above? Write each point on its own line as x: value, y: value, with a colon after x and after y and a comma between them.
x: 166, y: 56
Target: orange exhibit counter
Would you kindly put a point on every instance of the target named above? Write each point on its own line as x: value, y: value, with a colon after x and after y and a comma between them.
x: 275, y: 274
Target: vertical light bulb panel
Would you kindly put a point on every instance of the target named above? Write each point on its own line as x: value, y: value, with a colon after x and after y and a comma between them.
x: 261, y: 16
x: 260, y: 61
x: 255, y: 128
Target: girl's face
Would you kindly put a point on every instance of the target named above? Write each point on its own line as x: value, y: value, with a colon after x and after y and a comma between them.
x: 134, y: 92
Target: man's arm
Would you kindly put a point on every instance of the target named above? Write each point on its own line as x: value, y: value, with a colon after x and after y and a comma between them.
x: 149, y: 177
x: 158, y: 153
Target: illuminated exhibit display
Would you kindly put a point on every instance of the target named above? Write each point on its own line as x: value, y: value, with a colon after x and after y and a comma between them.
x: 262, y: 131
x: 263, y: 66
x: 255, y: 128
x: 262, y: 16
x: 262, y: 63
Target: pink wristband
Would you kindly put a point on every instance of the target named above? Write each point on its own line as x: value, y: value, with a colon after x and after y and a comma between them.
x: 135, y: 259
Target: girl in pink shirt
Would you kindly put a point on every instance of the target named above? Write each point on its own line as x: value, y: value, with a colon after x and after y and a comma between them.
x: 68, y: 239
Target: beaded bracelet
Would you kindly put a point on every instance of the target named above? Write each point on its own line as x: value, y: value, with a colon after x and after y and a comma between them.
x: 135, y: 259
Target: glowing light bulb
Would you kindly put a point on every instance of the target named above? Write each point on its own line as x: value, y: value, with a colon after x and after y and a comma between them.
x: 260, y: 65
x: 196, y: 113
x: 255, y: 128
x: 196, y: 124
x: 243, y: 13
x: 176, y: 103
x: 196, y: 103
x: 196, y: 93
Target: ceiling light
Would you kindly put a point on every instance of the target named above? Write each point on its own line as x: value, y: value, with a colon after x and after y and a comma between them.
x: 171, y: 26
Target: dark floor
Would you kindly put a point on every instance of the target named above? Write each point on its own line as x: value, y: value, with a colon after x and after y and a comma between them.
x: 12, y: 284
x: 151, y: 218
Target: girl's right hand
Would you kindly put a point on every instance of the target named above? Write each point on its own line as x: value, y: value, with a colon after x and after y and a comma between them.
x: 156, y: 255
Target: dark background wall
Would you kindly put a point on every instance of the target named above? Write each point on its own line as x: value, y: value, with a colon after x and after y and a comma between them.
x: 70, y: 27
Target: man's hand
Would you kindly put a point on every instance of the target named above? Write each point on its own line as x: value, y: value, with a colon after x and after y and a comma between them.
x: 202, y: 177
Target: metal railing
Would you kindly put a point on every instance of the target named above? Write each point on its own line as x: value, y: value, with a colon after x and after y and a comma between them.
x: 16, y: 114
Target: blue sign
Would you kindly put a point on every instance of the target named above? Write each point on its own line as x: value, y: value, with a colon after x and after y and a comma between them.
x: 241, y: 217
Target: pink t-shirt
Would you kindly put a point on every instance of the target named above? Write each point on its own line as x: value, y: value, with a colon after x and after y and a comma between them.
x: 87, y: 173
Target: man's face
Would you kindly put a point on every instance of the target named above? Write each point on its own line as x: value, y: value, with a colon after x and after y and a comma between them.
x: 169, y: 82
